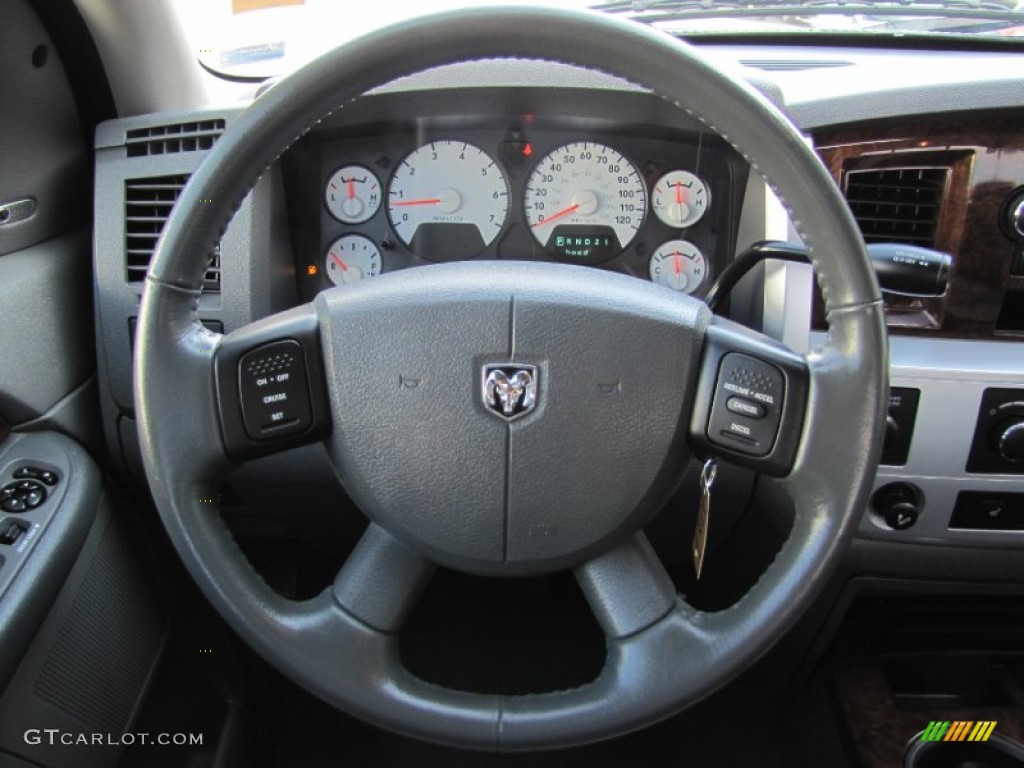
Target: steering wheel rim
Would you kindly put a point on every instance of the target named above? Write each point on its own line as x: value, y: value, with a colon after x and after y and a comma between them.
x: 663, y: 655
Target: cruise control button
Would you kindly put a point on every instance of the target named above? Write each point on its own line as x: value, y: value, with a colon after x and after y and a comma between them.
x: 274, y: 390
x: 745, y: 407
x: 740, y: 430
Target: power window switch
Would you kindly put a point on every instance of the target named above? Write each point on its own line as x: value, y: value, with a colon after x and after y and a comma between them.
x: 10, y: 532
x: 45, y: 476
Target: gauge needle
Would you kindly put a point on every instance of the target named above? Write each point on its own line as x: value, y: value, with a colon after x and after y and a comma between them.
x: 560, y: 214
x: 339, y: 262
x: 351, y: 188
x: 679, y: 193
x: 679, y: 267
x: 424, y: 201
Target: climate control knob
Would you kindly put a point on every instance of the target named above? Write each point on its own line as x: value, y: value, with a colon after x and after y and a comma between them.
x: 1009, y: 439
x: 1015, y: 212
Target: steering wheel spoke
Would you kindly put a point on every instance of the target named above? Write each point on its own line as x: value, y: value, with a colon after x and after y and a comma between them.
x: 627, y: 588
x: 271, y: 389
x: 750, y: 399
x: 380, y: 581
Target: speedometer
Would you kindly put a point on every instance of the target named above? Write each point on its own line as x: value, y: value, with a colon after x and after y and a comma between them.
x: 585, y: 202
x: 447, y: 200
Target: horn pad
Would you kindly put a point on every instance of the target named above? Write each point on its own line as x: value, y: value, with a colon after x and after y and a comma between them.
x: 509, y: 419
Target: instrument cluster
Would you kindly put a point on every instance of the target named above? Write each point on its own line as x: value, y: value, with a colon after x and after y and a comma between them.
x: 661, y: 205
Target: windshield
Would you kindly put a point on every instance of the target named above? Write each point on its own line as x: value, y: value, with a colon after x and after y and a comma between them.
x: 258, y: 39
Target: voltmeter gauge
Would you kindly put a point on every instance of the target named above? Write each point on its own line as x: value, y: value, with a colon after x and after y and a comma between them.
x: 680, y: 265
x: 680, y: 199
x: 352, y: 194
x: 351, y: 258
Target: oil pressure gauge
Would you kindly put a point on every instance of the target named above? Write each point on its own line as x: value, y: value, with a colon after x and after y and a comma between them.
x: 680, y: 265
x: 352, y: 194
x: 351, y: 258
x: 680, y: 199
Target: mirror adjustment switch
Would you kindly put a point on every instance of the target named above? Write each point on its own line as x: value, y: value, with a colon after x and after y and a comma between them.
x: 274, y: 390
x: 21, y: 496
x: 747, y: 405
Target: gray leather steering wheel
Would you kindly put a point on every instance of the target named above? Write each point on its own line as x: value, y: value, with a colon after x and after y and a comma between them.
x: 569, y: 484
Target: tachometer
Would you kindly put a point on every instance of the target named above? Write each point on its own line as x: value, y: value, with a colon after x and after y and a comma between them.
x: 447, y: 200
x: 585, y: 202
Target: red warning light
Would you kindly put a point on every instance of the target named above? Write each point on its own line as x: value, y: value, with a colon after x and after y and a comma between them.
x: 527, y: 149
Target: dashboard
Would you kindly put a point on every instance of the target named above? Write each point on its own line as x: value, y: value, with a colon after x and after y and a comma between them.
x: 655, y: 202
x: 459, y: 164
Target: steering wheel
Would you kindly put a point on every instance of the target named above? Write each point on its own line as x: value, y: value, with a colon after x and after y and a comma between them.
x: 602, y: 387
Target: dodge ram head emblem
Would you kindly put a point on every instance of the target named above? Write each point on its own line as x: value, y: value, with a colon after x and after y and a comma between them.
x: 510, y: 391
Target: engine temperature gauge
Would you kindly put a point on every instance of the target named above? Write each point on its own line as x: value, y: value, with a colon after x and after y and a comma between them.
x: 680, y: 199
x: 679, y: 265
x: 351, y: 258
x: 352, y: 194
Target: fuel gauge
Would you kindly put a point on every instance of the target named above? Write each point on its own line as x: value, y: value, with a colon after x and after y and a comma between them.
x: 352, y: 194
x: 351, y: 258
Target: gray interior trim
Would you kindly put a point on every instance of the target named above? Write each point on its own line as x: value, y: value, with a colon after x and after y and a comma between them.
x: 42, y: 153
x: 44, y: 310
x: 877, y: 83
x: 75, y: 416
x: 922, y: 99
x: 145, y: 70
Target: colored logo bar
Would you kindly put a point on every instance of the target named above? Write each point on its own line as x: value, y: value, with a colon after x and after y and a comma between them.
x: 958, y: 730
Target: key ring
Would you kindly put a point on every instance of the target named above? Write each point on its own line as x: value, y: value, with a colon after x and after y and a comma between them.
x: 707, y: 474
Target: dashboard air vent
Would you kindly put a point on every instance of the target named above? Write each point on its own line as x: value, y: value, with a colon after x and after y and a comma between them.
x: 148, y: 203
x: 897, y: 204
x: 167, y: 139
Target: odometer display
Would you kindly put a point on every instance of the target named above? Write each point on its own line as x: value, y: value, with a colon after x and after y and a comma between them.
x: 585, y: 202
